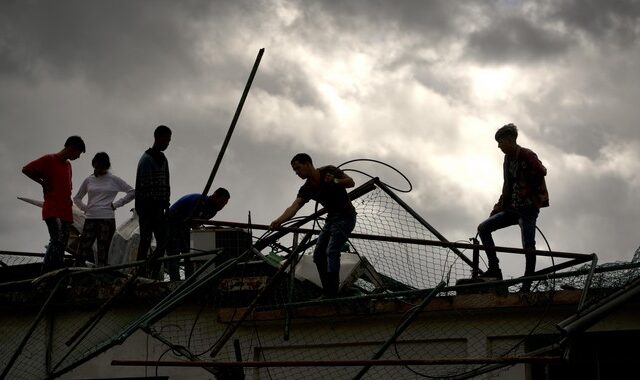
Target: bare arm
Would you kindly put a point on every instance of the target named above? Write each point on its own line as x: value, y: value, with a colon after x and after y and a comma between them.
x: 35, y: 176
x: 288, y: 213
x: 340, y: 179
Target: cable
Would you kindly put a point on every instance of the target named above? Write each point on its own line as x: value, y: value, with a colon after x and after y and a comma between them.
x: 370, y: 176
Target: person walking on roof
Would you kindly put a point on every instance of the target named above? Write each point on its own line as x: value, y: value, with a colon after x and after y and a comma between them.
x: 524, y: 192
x: 53, y: 173
x: 100, y: 223
x: 326, y: 185
x: 152, y: 195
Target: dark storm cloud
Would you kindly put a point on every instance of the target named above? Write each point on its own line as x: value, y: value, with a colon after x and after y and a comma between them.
x: 289, y: 81
x: 516, y: 40
x: 117, y: 45
x: 433, y: 20
x: 610, y: 21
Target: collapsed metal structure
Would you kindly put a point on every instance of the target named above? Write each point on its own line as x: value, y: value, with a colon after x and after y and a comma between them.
x: 68, y: 349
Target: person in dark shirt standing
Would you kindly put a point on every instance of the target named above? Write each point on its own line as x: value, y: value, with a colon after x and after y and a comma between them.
x: 326, y: 185
x: 524, y: 192
x: 180, y: 217
x: 152, y: 194
x: 53, y: 173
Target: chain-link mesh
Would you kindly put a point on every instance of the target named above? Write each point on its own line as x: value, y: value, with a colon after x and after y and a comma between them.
x: 202, y: 315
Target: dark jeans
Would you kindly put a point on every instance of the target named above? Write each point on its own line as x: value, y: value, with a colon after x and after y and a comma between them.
x: 332, y: 238
x: 101, y: 230
x: 326, y: 255
x: 152, y: 221
x: 179, y: 242
x: 525, y: 217
x: 58, y: 237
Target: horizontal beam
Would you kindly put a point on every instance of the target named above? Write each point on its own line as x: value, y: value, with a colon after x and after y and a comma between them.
x: 335, y: 363
x: 395, y: 239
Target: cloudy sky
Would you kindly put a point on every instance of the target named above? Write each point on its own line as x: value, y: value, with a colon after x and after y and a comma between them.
x: 421, y: 85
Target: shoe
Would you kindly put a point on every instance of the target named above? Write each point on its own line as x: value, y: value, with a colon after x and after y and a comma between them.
x: 526, y: 288
x: 492, y: 273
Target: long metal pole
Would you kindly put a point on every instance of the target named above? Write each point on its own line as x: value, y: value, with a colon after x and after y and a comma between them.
x: 232, y: 127
x: 396, y: 239
x: 403, y: 326
x: 272, y: 281
x: 338, y: 363
x: 33, y: 326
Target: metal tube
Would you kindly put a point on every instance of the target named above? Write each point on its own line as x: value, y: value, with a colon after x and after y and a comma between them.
x: 586, y: 318
x: 400, y: 329
x: 395, y: 239
x: 422, y: 221
x: 229, y: 332
x: 236, y: 115
x: 32, y: 328
x: 337, y: 363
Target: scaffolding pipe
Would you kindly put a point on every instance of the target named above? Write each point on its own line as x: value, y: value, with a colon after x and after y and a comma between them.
x: 586, y: 318
x: 336, y: 363
x: 230, y: 331
x: 403, y: 326
x: 33, y: 326
x: 422, y: 221
x: 396, y: 239
x: 489, y: 367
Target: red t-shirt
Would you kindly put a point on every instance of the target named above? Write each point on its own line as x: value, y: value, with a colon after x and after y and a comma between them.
x: 56, y: 174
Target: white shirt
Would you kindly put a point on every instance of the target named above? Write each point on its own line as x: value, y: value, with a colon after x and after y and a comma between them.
x: 102, y: 191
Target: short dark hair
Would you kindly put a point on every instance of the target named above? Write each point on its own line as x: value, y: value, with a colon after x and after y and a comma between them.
x: 102, y: 159
x: 302, y: 158
x: 221, y: 191
x: 161, y: 130
x: 507, y: 131
x: 75, y: 141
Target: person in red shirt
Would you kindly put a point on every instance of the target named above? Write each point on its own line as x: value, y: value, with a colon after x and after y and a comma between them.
x: 53, y: 173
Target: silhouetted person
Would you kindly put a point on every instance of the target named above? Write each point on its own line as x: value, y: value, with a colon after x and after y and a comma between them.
x: 181, y: 215
x: 524, y: 192
x: 326, y: 185
x: 53, y: 173
x: 152, y: 195
x: 100, y: 218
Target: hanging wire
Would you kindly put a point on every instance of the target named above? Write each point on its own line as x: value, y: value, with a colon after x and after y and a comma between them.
x: 370, y: 176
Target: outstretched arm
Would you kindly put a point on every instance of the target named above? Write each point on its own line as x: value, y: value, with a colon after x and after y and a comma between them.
x: 288, y: 213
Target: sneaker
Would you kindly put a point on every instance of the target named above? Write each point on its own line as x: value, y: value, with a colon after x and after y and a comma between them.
x: 492, y: 273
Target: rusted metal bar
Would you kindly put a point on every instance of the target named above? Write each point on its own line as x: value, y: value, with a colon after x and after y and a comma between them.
x: 395, y: 239
x: 272, y: 281
x: 60, y: 285
x: 337, y: 363
x: 587, y: 284
x: 421, y: 220
x: 227, y: 138
x: 400, y: 329
x: 234, y: 121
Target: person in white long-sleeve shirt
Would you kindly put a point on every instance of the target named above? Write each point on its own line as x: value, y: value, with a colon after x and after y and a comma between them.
x: 100, y: 223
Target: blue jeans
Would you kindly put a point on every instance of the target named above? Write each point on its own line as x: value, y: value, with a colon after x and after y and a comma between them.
x: 332, y: 238
x: 58, y: 237
x: 525, y: 217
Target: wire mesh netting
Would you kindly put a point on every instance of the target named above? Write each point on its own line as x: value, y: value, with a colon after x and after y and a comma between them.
x: 241, y: 305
